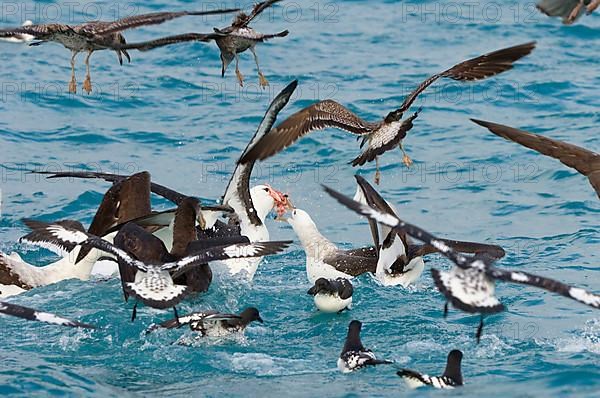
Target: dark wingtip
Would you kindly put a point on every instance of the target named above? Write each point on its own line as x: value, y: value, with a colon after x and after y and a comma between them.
x: 482, y: 123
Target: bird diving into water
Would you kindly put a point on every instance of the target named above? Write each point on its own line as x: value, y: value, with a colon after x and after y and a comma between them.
x: 232, y: 40
x: 95, y: 36
x: 383, y: 135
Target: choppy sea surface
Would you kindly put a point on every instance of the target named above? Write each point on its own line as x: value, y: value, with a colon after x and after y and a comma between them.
x: 171, y: 113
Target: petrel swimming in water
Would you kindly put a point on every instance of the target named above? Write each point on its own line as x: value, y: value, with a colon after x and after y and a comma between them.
x: 470, y: 285
x: 583, y: 160
x: 95, y: 36
x: 354, y: 355
x: 231, y: 40
x: 388, y: 133
x: 451, y: 378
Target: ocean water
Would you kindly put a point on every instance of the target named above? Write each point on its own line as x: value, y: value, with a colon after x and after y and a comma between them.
x: 171, y: 113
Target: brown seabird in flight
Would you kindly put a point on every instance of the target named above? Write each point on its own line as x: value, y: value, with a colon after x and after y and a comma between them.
x: 386, y: 134
x: 583, y: 160
x: 94, y: 36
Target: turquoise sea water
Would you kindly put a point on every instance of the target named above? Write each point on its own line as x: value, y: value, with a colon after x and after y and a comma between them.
x: 171, y: 113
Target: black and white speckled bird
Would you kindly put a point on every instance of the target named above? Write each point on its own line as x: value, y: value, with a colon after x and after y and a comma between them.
x: 95, y: 35
x: 470, y: 285
x: 583, y: 160
x: 400, y: 261
x: 386, y: 134
x: 451, y: 378
x: 354, y: 355
x: 153, y: 283
x: 213, y: 323
x: 568, y: 10
x: 332, y: 295
x: 231, y: 40
x: 34, y: 315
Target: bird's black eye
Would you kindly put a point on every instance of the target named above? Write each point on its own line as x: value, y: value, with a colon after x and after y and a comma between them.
x: 266, y: 189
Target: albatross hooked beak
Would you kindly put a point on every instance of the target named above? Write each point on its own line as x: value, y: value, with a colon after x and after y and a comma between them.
x: 282, y: 203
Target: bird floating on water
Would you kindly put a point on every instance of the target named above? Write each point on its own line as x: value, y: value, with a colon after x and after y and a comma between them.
x: 451, y: 378
x: 354, y: 355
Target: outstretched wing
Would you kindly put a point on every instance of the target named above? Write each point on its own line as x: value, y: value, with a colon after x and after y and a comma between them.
x: 40, y: 32
x: 318, y: 116
x: 414, y: 379
x: 215, y: 253
x: 412, y: 230
x: 242, y: 20
x: 168, y: 40
x: 101, y: 244
x: 237, y: 193
x: 551, y: 285
x: 494, y: 251
x: 34, y: 315
x: 160, y: 190
x: 583, y: 160
x: 44, y: 235
x: 61, y: 236
x: 154, y: 18
x: 478, y: 68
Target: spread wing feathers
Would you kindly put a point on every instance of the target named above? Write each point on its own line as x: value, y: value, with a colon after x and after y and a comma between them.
x: 238, y: 188
x: 360, y: 197
x: 153, y: 18
x: 551, y: 285
x: 478, y: 68
x: 61, y: 236
x: 34, y: 315
x: 414, y: 379
x: 158, y: 189
x: 40, y: 32
x: 584, y: 161
x: 412, y: 230
x: 257, y: 36
x: 186, y: 320
x: 353, y: 265
x: 384, y: 139
x: 244, y: 19
x: 215, y: 253
x: 318, y: 116
x: 44, y: 235
x: 168, y: 40
x: 494, y: 251
x: 468, y: 290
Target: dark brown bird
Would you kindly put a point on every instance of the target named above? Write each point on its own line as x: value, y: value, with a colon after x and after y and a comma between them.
x: 94, y: 36
x: 232, y: 40
x: 385, y: 134
x: 568, y: 10
x: 583, y: 160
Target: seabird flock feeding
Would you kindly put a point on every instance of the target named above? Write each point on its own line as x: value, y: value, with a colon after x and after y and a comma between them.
x: 162, y: 257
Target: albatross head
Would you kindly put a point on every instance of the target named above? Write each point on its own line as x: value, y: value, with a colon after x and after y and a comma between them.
x: 301, y: 221
x: 265, y: 199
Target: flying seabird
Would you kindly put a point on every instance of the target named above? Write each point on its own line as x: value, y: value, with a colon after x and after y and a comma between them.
x: 354, y: 355
x: 568, y: 10
x: 400, y: 261
x: 95, y: 36
x: 154, y: 283
x: 385, y: 134
x: 125, y: 200
x: 213, y: 323
x: 34, y: 315
x: 20, y: 38
x: 451, y: 378
x: 323, y: 258
x: 332, y: 295
x: 583, y: 160
x: 232, y: 40
x: 470, y: 285
x: 250, y: 206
